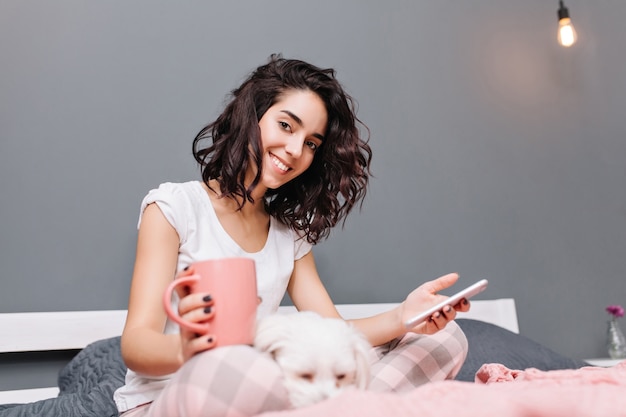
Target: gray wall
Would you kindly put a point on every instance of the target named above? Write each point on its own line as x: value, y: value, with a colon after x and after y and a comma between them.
x: 497, y: 153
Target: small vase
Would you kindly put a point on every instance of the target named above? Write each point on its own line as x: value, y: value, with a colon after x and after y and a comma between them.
x: 615, y: 341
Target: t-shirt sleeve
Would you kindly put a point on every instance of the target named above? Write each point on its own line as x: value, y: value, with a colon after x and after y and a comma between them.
x: 172, y: 202
x: 301, y: 246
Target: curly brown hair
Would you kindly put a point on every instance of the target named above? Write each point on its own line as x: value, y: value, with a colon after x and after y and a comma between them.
x: 337, y: 179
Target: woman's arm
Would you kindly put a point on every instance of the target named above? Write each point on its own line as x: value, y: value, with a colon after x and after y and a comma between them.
x: 145, y: 348
x: 308, y: 293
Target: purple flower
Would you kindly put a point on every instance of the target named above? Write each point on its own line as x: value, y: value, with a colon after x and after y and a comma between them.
x: 615, y: 311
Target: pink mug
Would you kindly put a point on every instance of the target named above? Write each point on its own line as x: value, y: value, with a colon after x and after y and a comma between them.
x: 232, y: 285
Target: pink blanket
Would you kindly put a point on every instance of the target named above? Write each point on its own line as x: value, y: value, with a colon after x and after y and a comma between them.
x: 498, y: 391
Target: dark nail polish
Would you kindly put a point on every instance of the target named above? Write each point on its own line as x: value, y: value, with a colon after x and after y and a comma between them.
x: 210, y: 340
x: 207, y: 310
x: 207, y: 298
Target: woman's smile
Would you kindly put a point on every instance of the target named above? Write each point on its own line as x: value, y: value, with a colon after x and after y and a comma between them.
x: 278, y: 163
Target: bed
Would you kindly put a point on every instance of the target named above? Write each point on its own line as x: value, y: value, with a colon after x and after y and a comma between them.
x: 497, y: 352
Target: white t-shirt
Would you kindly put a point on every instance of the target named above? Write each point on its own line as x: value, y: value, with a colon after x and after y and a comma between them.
x: 188, y: 208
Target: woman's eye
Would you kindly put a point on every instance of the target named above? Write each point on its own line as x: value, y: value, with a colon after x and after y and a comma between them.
x: 310, y: 144
x: 284, y: 126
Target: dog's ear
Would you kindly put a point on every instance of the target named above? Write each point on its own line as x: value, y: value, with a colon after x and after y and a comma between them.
x: 271, y: 333
x: 362, y: 349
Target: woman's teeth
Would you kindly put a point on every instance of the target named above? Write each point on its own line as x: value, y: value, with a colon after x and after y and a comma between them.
x: 279, y: 164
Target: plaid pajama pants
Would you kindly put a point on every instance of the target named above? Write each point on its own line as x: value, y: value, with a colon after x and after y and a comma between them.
x: 238, y: 381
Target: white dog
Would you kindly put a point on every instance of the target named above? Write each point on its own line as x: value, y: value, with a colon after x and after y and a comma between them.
x: 319, y: 356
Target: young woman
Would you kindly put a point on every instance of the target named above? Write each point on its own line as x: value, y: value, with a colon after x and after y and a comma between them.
x: 281, y: 166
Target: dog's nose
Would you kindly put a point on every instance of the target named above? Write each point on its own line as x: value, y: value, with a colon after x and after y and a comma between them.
x: 330, y: 390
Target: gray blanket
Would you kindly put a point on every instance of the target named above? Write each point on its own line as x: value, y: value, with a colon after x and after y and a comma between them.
x: 86, y: 385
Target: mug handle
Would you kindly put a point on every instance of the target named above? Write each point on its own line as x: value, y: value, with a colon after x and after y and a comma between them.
x: 201, y: 328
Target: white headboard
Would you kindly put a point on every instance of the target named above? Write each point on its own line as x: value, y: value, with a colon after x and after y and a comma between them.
x: 27, y: 332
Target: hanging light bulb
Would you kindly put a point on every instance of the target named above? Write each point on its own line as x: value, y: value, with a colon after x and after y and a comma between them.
x: 567, y: 35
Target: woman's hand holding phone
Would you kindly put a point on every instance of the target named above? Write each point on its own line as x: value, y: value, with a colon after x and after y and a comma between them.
x: 452, y: 301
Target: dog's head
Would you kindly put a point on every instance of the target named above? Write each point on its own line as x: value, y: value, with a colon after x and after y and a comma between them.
x: 319, y: 357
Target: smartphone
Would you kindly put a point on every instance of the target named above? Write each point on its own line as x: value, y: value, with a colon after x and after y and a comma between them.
x: 468, y: 292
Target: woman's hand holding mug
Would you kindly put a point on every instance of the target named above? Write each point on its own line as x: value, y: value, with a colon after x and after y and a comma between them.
x: 218, y: 302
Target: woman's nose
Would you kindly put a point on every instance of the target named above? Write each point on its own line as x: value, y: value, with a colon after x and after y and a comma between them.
x: 294, y: 147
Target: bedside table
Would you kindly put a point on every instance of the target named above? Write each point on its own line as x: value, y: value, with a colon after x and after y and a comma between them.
x: 604, y: 362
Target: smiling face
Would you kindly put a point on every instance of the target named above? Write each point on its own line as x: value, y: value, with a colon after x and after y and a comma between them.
x: 291, y: 131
